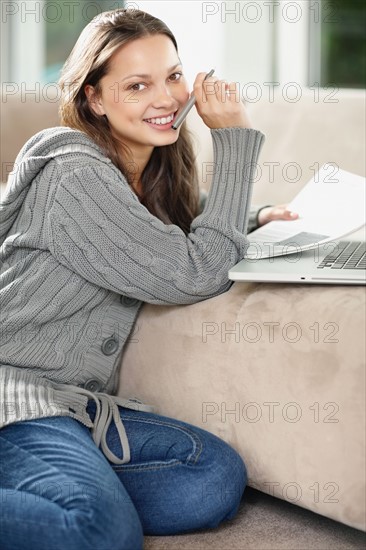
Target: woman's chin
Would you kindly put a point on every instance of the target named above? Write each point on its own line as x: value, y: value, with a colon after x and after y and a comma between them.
x: 166, y: 138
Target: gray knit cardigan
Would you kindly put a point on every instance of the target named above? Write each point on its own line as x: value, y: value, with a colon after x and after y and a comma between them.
x: 80, y: 254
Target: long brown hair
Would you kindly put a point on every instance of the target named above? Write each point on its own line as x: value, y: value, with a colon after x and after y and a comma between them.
x: 169, y: 180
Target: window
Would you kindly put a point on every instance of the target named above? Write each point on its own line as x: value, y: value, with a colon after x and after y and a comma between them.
x: 38, y: 35
x: 64, y: 22
x: 337, y: 43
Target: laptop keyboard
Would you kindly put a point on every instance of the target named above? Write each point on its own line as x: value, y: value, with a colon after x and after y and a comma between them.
x: 346, y: 255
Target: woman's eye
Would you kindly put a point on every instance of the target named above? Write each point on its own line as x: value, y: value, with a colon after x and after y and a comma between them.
x: 135, y: 87
x: 176, y: 75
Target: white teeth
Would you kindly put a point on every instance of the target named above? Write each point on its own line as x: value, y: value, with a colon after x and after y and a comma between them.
x: 163, y: 120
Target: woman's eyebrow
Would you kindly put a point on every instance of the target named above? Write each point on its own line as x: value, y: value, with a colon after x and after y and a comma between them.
x: 149, y: 75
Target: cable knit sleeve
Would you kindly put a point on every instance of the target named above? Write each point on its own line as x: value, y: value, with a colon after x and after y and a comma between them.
x: 97, y: 228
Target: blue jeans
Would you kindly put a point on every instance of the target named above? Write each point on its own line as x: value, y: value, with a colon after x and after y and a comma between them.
x: 59, y: 492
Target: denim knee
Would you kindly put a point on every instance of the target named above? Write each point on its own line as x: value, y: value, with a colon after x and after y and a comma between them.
x: 222, y: 486
x: 201, y: 495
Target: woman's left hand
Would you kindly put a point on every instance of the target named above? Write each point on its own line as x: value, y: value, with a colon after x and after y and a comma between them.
x: 272, y: 213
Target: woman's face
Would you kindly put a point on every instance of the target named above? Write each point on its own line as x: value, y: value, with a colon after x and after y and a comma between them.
x: 143, y: 87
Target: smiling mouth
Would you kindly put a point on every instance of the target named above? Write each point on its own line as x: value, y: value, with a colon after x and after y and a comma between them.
x: 161, y: 121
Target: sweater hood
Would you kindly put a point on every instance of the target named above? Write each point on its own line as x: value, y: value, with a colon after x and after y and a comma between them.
x: 34, y: 155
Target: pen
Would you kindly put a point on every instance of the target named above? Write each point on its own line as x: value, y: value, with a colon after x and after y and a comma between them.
x: 182, y: 115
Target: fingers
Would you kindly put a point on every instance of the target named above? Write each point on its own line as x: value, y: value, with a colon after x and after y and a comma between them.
x: 281, y: 212
x: 214, y: 89
x: 233, y: 92
x: 221, y: 90
x: 210, y: 89
x: 289, y: 214
x: 273, y: 213
x: 200, y: 86
x: 218, y: 103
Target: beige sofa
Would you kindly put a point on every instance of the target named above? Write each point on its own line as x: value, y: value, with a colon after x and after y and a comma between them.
x: 276, y: 370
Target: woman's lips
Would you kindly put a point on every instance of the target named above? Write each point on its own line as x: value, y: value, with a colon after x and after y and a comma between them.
x: 166, y: 126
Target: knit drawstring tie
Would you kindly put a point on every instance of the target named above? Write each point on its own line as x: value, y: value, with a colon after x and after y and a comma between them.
x: 106, y: 409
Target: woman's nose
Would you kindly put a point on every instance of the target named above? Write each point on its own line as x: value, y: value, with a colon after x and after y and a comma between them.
x: 163, y: 98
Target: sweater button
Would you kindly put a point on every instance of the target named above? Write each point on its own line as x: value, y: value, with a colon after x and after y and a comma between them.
x: 127, y: 301
x: 110, y: 345
x: 93, y: 385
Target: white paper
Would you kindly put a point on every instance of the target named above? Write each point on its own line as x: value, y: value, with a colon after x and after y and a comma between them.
x: 331, y: 206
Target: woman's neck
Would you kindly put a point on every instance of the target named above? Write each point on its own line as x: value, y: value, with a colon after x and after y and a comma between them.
x: 137, y: 164
x: 137, y: 187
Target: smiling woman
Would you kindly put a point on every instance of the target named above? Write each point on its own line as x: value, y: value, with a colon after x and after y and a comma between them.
x: 102, y: 215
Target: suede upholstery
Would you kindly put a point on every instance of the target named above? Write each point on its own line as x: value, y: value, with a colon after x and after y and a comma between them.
x: 278, y: 372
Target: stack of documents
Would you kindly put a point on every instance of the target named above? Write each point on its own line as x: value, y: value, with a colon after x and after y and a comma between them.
x: 331, y: 206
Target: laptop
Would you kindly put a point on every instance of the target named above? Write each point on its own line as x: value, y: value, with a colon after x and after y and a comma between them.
x: 340, y: 262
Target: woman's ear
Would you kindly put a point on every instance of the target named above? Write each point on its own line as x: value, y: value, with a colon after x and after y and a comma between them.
x: 94, y: 101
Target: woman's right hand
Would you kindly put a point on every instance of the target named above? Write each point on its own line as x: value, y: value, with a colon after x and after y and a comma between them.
x: 218, y: 103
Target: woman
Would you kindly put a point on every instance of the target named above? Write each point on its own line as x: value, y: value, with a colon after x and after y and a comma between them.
x: 101, y: 215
